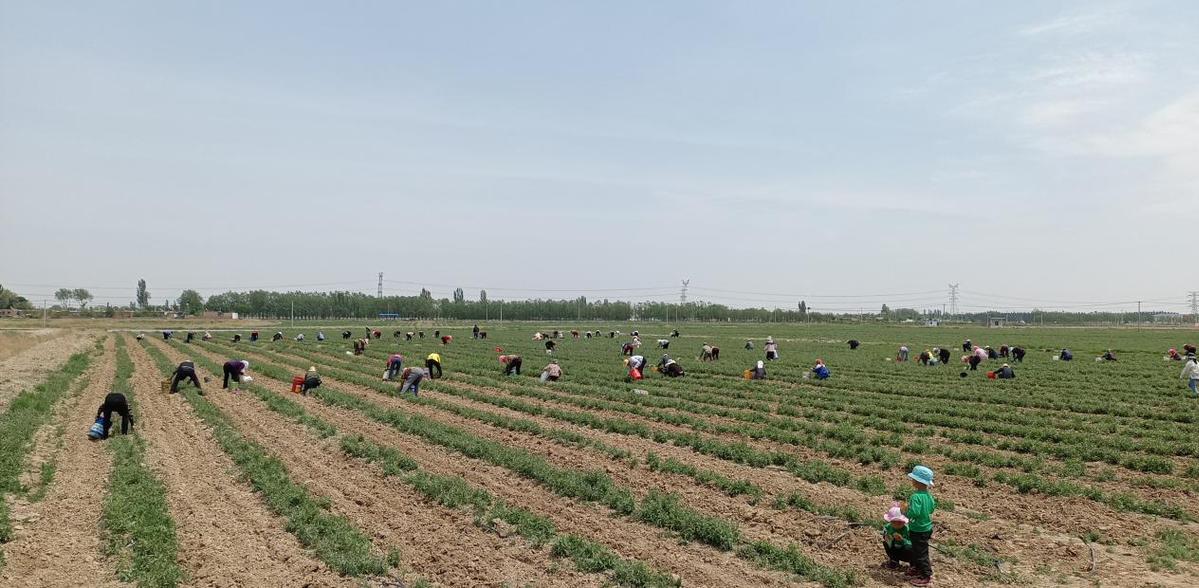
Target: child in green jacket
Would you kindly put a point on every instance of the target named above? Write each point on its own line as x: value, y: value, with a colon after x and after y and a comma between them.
x: 897, y: 541
x: 919, y: 512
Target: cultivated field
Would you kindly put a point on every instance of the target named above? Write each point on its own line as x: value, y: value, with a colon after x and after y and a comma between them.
x: 1075, y: 473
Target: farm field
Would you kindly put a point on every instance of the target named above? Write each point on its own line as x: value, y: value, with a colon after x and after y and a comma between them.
x: 1075, y: 473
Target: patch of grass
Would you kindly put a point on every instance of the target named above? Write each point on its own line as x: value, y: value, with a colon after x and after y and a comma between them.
x: 706, y: 477
x: 793, y: 561
x: 665, y: 511
x: 454, y: 492
x: 1175, y: 546
x: 335, y: 540
x: 800, y: 501
x: 26, y: 413
x: 138, y: 528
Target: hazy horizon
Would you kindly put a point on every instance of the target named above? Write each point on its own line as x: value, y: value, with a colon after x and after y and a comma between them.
x: 1041, y: 154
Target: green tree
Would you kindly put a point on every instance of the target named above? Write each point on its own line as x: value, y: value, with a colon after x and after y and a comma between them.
x: 459, y: 296
x: 190, y: 302
x: 64, y: 296
x: 803, y: 307
x: 10, y: 299
x: 483, y: 296
x: 143, y: 295
x: 427, y: 295
x: 82, y: 295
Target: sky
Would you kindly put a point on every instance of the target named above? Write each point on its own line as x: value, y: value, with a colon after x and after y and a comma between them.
x: 1040, y: 154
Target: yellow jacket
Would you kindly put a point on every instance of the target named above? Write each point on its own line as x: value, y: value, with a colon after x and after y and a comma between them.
x: 435, y: 357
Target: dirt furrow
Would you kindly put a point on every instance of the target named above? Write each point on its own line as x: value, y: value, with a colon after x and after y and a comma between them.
x: 57, y: 539
x: 437, y: 542
x: 29, y: 367
x: 227, y: 536
x: 696, y: 564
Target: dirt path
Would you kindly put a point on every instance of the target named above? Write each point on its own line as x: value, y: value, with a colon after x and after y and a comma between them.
x: 29, y: 367
x: 58, y: 543
x: 439, y: 543
x: 227, y: 536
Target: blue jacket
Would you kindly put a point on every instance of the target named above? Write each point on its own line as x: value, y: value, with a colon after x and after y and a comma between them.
x: 821, y: 372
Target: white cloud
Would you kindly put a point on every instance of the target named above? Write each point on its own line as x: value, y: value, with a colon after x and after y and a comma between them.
x: 1081, y: 23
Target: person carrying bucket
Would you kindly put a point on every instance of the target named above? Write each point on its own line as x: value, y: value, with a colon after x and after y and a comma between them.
x: 636, y: 365
x: 115, y: 402
x: 236, y: 369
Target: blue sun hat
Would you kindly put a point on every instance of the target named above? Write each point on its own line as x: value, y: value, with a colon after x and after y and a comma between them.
x: 923, y: 475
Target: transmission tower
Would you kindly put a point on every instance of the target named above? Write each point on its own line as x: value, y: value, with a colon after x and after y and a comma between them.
x: 380, y: 284
x: 953, y: 300
x: 683, y: 293
x: 1195, y: 306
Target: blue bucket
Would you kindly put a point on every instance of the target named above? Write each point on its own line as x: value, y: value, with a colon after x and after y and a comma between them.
x: 97, y: 430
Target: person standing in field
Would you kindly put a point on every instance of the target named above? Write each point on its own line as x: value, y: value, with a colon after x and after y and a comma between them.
x: 552, y: 372
x: 433, y: 364
x: 115, y: 402
x: 253, y: 336
x: 920, y: 509
x: 772, y: 349
x: 1190, y: 373
x: 190, y: 336
x: 234, y: 368
x: 185, y: 371
x: 474, y: 332
x: 395, y: 362
x: 967, y: 346
x: 511, y: 364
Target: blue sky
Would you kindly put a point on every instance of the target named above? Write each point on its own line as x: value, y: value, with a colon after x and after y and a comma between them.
x: 1039, y: 153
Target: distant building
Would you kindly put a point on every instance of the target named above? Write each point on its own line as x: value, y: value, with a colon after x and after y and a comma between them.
x: 11, y: 312
x: 996, y: 321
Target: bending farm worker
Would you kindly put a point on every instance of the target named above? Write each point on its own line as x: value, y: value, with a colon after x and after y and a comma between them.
x: 185, y: 371
x: 1066, y: 355
x: 511, y: 363
x: 1005, y: 373
x: 278, y: 336
x: 943, y: 355
x: 320, y: 335
x: 1018, y: 354
x: 207, y: 336
x: 663, y: 343
x: 300, y: 337
x: 903, y: 353
x: 820, y: 370
x: 234, y: 368
x: 853, y: 344
x: 552, y: 372
x: 115, y: 402
x: 759, y: 371
x: 395, y: 362
x: 749, y: 345
x: 311, y: 380
x: 412, y: 379
x: 433, y: 364
x: 670, y: 367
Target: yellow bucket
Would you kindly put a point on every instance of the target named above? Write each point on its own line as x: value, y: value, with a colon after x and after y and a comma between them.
x: 747, y: 374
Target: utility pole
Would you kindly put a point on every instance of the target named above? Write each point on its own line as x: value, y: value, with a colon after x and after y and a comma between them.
x: 683, y: 295
x: 380, y: 284
x: 43, y: 313
x: 293, y: 314
x: 953, y: 299
x: 501, y: 311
